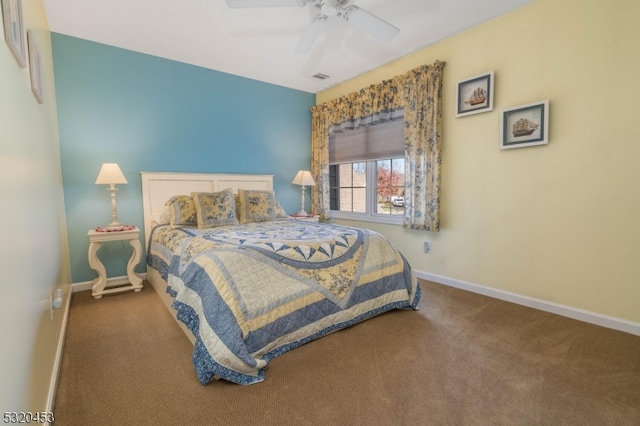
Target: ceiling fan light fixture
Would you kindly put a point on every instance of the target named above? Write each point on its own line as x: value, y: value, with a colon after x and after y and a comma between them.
x: 359, y: 18
x: 329, y: 7
x: 369, y: 23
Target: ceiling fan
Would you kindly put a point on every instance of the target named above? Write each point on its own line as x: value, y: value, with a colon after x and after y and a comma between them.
x: 356, y: 16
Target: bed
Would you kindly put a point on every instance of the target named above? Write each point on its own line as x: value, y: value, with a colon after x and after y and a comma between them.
x: 248, y: 283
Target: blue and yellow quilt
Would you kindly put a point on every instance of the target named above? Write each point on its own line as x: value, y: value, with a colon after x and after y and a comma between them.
x: 255, y: 291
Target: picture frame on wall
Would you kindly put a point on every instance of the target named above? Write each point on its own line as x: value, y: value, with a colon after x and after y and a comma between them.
x: 14, y: 30
x: 525, y: 125
x: 35, y: 67
x: 474, y: 95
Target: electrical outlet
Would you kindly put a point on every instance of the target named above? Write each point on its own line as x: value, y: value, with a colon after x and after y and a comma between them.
x: 427, y: 246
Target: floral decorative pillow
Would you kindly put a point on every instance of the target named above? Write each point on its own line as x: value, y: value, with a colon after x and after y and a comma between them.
x: 215, y: 208
x: 280, y: 212
x: 256, y: 206
x: 165, y: 217
x: 182, y: 211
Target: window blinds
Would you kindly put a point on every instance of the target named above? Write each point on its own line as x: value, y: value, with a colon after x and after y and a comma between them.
x: 373, y: 142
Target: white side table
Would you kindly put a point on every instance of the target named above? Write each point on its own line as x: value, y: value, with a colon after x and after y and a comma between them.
x: 96, y: 239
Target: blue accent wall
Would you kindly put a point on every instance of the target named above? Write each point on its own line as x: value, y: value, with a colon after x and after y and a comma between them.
x: 152, y: 114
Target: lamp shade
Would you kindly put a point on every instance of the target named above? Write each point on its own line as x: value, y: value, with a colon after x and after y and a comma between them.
x: 110, y: 173
x: 304, y: 178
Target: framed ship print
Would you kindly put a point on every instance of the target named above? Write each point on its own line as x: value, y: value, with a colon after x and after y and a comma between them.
x: 525, y: 125
x: 474, y: 95
x: 14, y: 30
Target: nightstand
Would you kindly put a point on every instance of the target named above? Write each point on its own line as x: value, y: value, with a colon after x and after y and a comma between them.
x: 310, y: 218
x: 96, y: 239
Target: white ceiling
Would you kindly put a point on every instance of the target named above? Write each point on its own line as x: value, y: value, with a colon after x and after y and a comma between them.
x: 259, y: 43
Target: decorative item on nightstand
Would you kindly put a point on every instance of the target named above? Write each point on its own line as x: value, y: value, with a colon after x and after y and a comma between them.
x: 306, y: 218
x: 304, y: 179
x: 110, y: 174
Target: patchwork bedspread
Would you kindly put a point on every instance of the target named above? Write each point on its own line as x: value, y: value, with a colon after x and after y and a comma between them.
x: 252, y: 292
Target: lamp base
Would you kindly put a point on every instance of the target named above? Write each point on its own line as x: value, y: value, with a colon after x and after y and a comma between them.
x: 115, y: 226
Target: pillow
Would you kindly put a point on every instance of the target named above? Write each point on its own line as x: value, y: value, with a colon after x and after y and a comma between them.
x: 182, y: 211
x: 280, y: 212
x: 165, y: 217
x: 256, y: 206
x: 215, y: 208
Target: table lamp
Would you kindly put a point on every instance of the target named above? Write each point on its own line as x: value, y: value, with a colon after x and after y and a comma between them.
x: 110, y: 174
x: 304, y: 179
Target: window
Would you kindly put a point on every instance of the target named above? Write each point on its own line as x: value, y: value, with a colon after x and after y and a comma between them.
x: 390, y: 186
x: 366, y: 171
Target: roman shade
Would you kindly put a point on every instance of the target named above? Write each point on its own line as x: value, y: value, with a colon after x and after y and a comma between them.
x: 373, y: 142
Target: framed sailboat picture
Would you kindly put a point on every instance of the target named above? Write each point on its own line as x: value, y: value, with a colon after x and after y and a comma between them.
x: 525, y: 125
x: 474, y: 95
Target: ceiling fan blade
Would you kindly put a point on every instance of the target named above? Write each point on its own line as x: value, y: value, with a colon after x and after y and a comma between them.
x: 310, y: 34
x: 239, y: 4
x: 371, y: 24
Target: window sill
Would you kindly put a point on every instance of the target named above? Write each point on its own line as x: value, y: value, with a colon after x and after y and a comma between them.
x: 391, y: 220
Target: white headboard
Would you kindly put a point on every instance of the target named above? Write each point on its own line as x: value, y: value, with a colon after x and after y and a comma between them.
x: 158, y: 187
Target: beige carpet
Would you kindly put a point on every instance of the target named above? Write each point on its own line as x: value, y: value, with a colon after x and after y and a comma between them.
x: 463, y: 359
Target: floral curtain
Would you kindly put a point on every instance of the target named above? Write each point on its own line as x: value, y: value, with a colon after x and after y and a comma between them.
x: 415, y: 97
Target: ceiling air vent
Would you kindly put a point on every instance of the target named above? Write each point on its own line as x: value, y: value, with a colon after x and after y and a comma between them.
x: 320, y: 76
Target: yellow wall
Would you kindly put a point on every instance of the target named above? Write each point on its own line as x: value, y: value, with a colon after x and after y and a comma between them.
x: 558, y: 222
x: 33, y: 253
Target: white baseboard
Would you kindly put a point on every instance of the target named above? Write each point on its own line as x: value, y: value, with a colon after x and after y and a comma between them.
x: 111, y: 282
x: 543, y: 305
x: 53, y: 384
